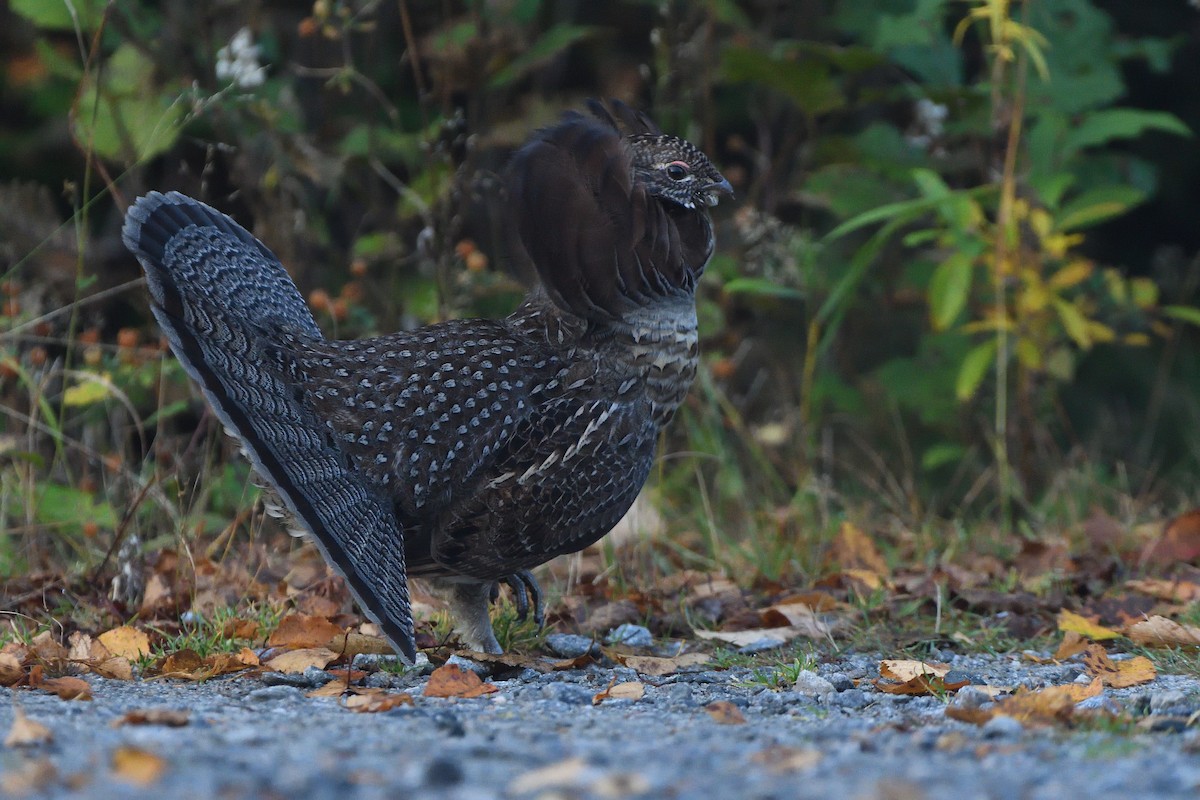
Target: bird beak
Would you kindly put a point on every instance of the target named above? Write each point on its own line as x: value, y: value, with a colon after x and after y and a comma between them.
x: 713, y: 191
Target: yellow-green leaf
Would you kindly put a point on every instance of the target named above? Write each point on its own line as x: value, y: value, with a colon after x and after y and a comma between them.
x: 974, y: 368
x: 87, y: 392
x: 1074, y: 322
x: 949, y: 290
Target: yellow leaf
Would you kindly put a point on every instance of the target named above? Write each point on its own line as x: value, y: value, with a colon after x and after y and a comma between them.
x: 296, y: 661
x: 92, y: 389
x: 126, y: 642
x: 1070, y: 621
x: 138, y: 766
x: 1072, y: 274
x: 25, y: 731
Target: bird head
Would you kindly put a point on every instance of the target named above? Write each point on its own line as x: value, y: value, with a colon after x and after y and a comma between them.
x: 674, y: 169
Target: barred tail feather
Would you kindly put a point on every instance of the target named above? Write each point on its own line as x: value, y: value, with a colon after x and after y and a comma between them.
x: 228, y: 307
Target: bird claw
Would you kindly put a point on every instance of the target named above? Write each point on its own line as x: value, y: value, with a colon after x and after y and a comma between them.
x: 524, y: 586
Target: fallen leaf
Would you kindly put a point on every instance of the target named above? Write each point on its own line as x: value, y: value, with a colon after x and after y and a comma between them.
x: 1070, y: 621
x: 1161, y: 632
x: 567, y: 773
x: 1175, y: 591
x: 1073, y: 643
x: 168, y: 717
x: 374, y: 703
x: 137, y: 766
x: 26, y: 732
x: 921, y: 685
x: 241, y: 629
x: 852, y: 549
x: 781, y: 635
x: 11, y: 670
x: 126, y: 642
x: 301, y: 631
x: 451, y: 680
x: 725, y: 713
x: 658, y: 667
x: 907, y: 669
x: 782, y: 759
x: 1180, y: 541
x: 296, y: 661
x: 629, y: 690
x: 32, y: 776
x: 181, y: 664
x: 67, y: 688
x: 1117, y: 674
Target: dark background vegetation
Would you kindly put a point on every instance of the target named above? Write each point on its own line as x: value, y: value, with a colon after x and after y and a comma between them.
x: 907, y: 173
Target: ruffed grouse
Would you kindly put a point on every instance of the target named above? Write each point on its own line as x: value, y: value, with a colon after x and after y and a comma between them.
x: 469, y: 451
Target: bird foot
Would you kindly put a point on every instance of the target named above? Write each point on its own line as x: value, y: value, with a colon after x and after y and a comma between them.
x: 524, y: 586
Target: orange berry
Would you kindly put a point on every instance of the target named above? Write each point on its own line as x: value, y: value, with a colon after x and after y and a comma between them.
x: 37, y: 356
x: 358, y: 267
x: 307, y: 27
x: 319, y: 300
x: 477, y: 261
x: 90, y: 529
x: 464, y: 248
x: 339, y: 309
x: 352, y: 292
x: 128, y: 337
x: 723, y: 369
x: 12, y: 307
x: 90, y: 336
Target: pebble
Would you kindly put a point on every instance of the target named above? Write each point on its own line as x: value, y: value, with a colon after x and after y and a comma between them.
x: 569, y: 645
x: 1002, y: 727
x: 810, y: 683
x: 570, y: 693
x: 841, y: 681
x: 275, y: 694
x: 630, y: 635
x: 852, y: 699
x: 1167, y: 699
x: 970, y: 697
x: 482, y: 670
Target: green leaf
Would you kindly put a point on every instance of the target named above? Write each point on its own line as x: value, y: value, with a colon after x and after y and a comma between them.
x: 1101, y: 127
x: 88, y: 391
x: 1074, y: 322
x: 125, y: 118
x: 941, y: 454
x: 1097, y: 205
x: 552, y: 42
x: 949, y: 289
x: 57, y: 15
x: 807, y: 82
x: 1188, y: 314
x: 64, y: 506
x: 974, y: 369
x: 761, y: 287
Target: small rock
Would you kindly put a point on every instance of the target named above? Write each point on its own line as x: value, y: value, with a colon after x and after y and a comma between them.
x: 841, y: 681
x: 630, y: 635
x: 274, y: 694
x: 1002, y: 727
x: 448, y: 724
x: 969, y: 697
x: 1161, y: 701
x: 680, y: 694
x: 389, y: 661
x: 567, y: 645
x: 570, y: 693
x: 812, y: 684
x: 962, y: 676
x: 293, y: 679
x: 851, y: 699
x: 760, y: 646
x: 1101, y: 702
x: 482, y: 670
x: 1158, y: 724
x: 316, y: 676
x: 443, y: 771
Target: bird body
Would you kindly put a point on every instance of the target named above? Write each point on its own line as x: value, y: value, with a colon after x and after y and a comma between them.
x: 469, y: 451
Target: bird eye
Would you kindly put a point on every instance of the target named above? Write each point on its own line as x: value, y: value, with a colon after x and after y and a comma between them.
x: 677, y: 170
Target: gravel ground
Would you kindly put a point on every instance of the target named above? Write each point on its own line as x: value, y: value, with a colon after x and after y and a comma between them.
x: 541, y: 736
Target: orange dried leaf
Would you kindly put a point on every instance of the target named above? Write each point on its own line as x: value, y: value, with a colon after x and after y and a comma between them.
x: 629, y: 690
x: 906, y: 669
x: 137, y: 766
x: 374, y: 703
x: 1161, y: 632
x: 725, y: 713
x: 126, y: 642
x: 854, y: 550
x: 11, y: 670
x: 1175, y: 591
x: 67, y: 688
x: 1073, y: 643
x: 1117, y: 674
x: 296, y: 661
x: 181, y: 664
x: 169, y: 717
x: 25, y: 732
x: 302, y: 631
x: 1070, y: 621
x: 451, y: 680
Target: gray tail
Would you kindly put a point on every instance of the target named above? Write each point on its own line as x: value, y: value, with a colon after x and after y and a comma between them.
x: 233, y: 318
